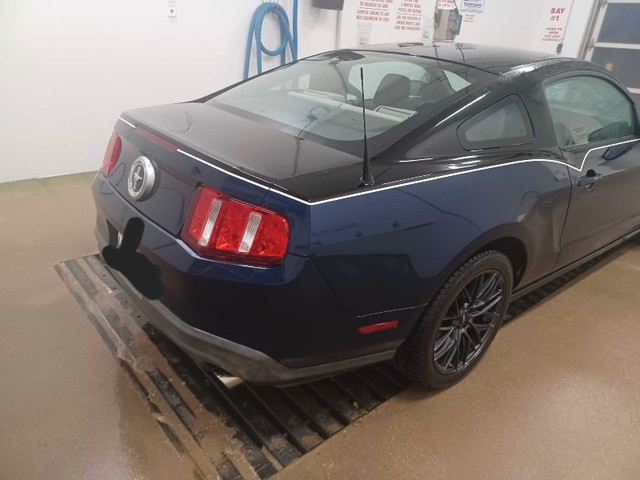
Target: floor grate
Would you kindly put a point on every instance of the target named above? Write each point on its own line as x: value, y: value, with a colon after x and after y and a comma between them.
x: 242, y: 432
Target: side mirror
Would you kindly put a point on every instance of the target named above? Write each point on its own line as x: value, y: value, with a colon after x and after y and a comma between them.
x: 612, y: 153
x: 613, y: 130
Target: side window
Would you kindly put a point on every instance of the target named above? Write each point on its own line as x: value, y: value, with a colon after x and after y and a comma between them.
x: 503, y: 124
x: 587, y: 109
x: 456, y: 82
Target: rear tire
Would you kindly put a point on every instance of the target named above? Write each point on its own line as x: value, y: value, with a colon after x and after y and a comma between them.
x: 460, y: 322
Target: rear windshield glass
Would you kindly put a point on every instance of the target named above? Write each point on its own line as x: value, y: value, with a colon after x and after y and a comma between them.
x: 320, y: 98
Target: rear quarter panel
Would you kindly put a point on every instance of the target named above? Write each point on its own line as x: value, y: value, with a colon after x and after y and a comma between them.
x: 394, y: 248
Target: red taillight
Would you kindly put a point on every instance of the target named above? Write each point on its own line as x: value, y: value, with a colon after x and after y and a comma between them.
x: 112, y: 154
x: 220, y: 226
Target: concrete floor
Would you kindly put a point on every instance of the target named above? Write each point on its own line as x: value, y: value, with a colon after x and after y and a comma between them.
x: 557, y: 396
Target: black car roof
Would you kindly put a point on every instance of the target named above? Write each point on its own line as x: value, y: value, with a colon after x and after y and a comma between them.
x: 493, y: 59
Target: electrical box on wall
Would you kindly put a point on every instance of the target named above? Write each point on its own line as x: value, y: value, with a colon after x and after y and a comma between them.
x: 328, y: 4
x: 447, y: 23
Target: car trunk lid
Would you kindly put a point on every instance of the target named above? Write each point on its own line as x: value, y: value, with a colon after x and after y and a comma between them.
x: 177, y: 173
x: 240, y: 142
x: 193, y: 143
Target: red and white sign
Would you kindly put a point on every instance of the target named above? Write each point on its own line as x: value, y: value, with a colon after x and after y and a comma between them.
x: 552, y: 24
x: 373, y: 11
x: 365, y: 22
x: 409, y: 16
x: 469, y: 18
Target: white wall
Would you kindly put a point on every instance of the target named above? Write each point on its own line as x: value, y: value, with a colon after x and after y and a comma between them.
x: 68, y: 68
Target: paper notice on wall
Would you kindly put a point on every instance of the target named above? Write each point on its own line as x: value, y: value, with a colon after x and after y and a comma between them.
x: 551, y: 26
x: 473, y: 5
x: 408, y: 16
x: 366, y: 22
x: 374, y: 11
x: 364, y: 34
x: 469, y: 18
x: 446, y: 5
x: 427, y: 28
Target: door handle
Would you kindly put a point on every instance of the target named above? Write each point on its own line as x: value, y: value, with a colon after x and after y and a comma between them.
x: 589, y: 179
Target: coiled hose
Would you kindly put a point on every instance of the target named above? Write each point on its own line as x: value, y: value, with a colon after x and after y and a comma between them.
x: 287, y: 38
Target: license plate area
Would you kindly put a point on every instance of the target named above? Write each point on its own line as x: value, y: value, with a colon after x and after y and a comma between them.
x: 124, y: 257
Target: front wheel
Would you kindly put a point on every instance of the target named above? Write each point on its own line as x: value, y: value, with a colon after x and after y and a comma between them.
x: 460, y: 323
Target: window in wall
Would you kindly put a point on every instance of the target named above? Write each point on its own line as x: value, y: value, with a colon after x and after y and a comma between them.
x: 587, y: 109
x: 505, y: 123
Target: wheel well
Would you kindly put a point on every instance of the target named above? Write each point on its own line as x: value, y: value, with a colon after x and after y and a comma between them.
x: 515, y: 250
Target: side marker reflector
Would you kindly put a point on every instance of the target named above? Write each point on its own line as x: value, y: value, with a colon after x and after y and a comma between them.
x: 379, y: 326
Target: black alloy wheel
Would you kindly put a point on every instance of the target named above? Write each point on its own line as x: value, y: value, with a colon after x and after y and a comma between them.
x: 470, y: 319
x: 460, y: 322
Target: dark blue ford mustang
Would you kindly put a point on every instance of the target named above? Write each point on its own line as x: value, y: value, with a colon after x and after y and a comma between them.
x: 267, y: 249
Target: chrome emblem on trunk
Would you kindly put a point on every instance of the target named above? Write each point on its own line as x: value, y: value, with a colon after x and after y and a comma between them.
x: 142, y: 177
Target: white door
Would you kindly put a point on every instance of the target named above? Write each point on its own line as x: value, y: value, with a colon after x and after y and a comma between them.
x: 615, y: 43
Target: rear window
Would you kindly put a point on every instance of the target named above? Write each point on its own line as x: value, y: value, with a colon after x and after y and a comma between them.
x: 320, y: 98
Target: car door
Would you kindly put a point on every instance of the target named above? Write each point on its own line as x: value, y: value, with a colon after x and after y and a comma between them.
x: 597, y: 129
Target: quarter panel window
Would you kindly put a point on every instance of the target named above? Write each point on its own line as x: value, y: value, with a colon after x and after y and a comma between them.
x: 587, y: 109
x: 505, y: 123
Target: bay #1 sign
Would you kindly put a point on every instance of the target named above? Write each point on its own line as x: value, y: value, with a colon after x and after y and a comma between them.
x: 551, y: 26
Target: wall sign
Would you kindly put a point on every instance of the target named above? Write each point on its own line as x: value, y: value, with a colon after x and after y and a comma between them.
x: 552, y: 24
x: 469, y: 18
x: 408, y: 13
x: 373, y: 11
x: 473, y: 5
x: 446, y: 5
x: 409, y: 16
x: 381, y: 21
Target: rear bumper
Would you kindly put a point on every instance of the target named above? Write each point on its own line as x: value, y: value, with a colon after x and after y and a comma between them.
x: 239, y: 360
x: 276, y: 325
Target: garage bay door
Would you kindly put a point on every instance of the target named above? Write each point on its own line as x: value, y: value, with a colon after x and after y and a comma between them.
x: 615, y: 42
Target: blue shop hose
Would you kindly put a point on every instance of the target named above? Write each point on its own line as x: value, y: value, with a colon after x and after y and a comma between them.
x: 255, y: 30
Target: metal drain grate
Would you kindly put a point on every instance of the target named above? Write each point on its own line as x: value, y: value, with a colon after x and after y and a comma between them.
x: 242, y: 432
x: 231, y: 433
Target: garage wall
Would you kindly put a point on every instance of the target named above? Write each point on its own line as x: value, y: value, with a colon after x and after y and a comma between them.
x: 69, y: 67
x: 516, y: 23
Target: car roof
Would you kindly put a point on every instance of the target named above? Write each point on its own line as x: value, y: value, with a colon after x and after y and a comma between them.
x: 490, y: 58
